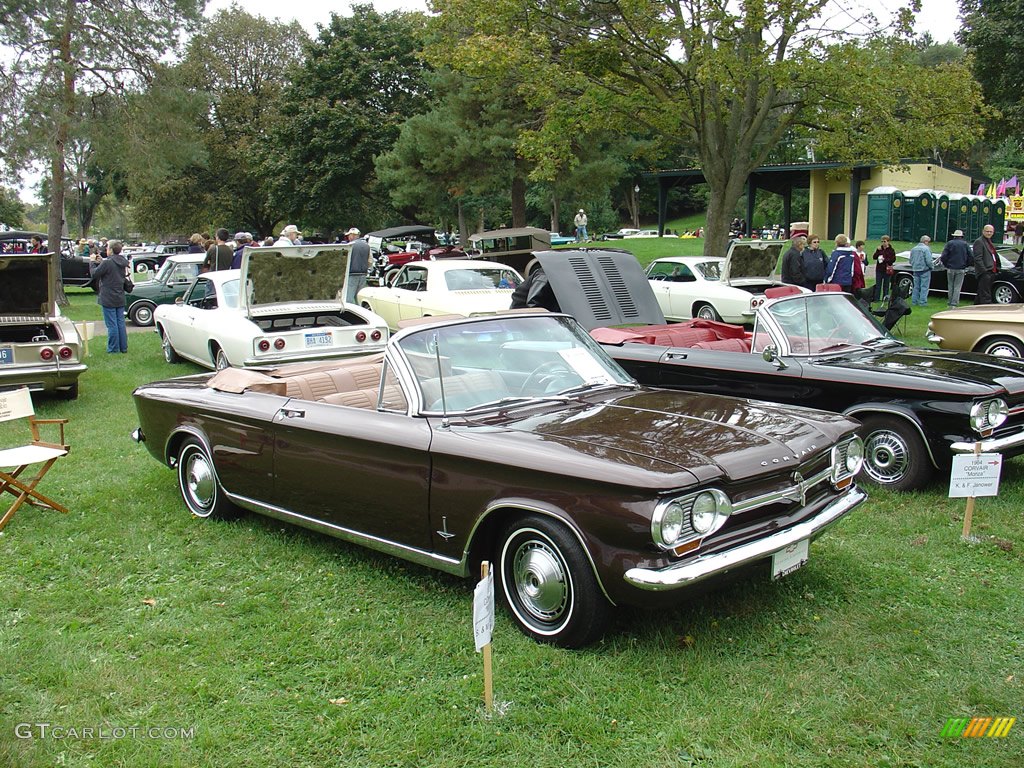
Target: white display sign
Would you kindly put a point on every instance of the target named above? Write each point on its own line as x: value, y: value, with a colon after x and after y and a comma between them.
x: 483, y: 611
x: 975, y: 474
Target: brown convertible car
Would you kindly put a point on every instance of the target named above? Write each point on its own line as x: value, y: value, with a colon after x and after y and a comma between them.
x: 516, y: 439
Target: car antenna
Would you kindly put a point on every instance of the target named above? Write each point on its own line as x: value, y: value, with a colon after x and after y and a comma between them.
x: 440, y: 382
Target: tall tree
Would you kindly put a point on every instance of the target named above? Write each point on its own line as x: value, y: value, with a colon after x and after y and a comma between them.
x: 732, y: 79
x: 991, y: 32
x: 12, y: 210
x: 361, y: 79
x: 65, y: 52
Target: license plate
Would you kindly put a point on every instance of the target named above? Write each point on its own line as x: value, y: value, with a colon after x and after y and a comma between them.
x: 323, y: 339
x: 789, y: 559
x: 6, y: 355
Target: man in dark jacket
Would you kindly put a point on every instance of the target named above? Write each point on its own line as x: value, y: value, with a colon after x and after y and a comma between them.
x: 109, y: 278
x: 535, y: 292
x: 986, y: 264
x: 956, y: 257
x: 792, y: 262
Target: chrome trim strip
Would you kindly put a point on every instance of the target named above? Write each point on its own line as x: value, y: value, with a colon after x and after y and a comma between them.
x: 988, y: 446
x: 429, y: 559
x: 796, y: 493
x: 690, y: 572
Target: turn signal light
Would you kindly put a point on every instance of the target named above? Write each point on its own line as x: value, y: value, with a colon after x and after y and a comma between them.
x: 375, y: 335
x: 360, y: 336
x: 264, y: 345
x: 278, y: 344
x: 46, y: 354
x: 65, y: 353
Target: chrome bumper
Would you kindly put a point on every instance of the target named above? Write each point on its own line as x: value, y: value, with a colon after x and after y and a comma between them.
x: 990, y: 446
x: 692, y: 571
x: 44, y: 377
x: 933, y: 337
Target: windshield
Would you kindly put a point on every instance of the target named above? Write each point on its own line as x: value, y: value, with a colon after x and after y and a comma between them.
x: 819, y: 323
x: 483, y: 278
x: 472, y: 365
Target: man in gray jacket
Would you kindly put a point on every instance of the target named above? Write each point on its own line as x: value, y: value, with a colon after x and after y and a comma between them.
x: 956, y: 257
x: 109, y: 278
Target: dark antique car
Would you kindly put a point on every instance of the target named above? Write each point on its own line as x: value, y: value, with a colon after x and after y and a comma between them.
x: 395, y: 247
x: 153, y: 258
x: 39, y: 347
x: 74, y: 268
x: 512, y: 438
x: 918, y: 406
x: 165, y: 287
x: 1007, y: 288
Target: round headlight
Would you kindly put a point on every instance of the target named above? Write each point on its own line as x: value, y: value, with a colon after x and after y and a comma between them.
x: 705, y: 512
x: 671, y: 525
x: 997, y: 412
x: 855, y: 456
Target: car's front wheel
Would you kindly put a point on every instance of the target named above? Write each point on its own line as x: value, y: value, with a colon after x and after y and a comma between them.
x: 141, y: 314
x: 706, y: 312
x: 198, y: 483
x: 894, y: 454
x: 548, y: 583
x: 1001, y: 346
x: 165, y: 344
x: 1003, y: 294
x: 904, y: 285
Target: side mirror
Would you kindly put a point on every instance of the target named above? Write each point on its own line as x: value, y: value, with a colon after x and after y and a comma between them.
x: 771, y: 355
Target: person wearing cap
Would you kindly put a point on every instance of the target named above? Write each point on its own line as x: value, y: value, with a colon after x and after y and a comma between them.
x: 290, y: 235
x: 242, y: 239
x: 956, y: 257
x: 921, y: 265
x: 581, y: 226
x: 358, y: 263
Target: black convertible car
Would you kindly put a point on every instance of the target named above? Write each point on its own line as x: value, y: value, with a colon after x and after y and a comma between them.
x: 917, y: 407
x: 1007, y: 288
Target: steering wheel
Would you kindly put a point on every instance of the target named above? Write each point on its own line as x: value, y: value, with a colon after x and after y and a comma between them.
x: 544, y: 374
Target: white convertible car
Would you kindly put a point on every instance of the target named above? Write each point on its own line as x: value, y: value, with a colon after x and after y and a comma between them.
x: 728, y: 289
x: 448, y: 287
x: 289, y: 311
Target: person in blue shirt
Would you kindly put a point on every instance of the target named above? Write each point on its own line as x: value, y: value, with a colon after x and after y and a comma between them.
x: 921, y: 266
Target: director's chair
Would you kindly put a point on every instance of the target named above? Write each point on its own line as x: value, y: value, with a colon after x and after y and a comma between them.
x: 17, y: 404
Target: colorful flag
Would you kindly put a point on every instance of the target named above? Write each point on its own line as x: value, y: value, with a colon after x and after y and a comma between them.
x: 1001, y: 189
x: 1013, y: 184
x: 981, y: 189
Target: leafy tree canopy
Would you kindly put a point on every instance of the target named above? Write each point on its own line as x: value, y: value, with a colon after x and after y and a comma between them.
x: 992, y: 34
x: 731, y: 80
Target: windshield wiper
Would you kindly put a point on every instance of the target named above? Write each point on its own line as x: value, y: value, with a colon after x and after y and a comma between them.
x: 502, y: 401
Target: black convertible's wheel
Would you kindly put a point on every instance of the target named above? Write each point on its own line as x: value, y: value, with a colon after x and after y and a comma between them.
x: 548, y: 583
x: 1003, y: 294
x: 904, y: 285
x: 1001, y: 346
x: 894, y: 454
x: 198, y: 483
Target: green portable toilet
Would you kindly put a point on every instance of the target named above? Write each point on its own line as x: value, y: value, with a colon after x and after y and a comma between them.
x: 918, y: 215
x: 958, y: 210
x: 882, y: 205
x: 997, y: 218
x: 985, y: 214
x: 942, y: 228
x: 973, y: 231
x: 896, y: 207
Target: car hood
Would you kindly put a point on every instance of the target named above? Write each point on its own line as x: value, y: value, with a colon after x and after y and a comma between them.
x: 1002, y: 313
x: 601, y: 288
x: 703, y: 435
x: 27, y: 284
x: 284, y: 274
x: 937, y: 370
x: 753, y: 258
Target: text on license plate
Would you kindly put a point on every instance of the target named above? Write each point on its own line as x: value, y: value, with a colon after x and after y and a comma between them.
x: 322, y: 339
x: 6, y: 355
x: 787, y: 560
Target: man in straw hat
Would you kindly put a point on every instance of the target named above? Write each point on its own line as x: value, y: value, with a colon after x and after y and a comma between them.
x: 956, y: 257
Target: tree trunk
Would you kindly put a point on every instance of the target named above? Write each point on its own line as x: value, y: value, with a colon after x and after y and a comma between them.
x: 55, y: 225
x: 518, y: 194
x: 555, y: 213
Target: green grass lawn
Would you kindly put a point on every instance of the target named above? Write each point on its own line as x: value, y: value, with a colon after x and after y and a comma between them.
x: 255, y: 643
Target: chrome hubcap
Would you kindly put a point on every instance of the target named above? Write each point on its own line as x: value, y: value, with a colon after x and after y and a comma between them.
x: 887, y: 457
x: 540, y: 580
x: 1003, y: 295
x: 167, y: 348
x: 144, y: 316
x: 1002, y: 350
x: 199, y: 482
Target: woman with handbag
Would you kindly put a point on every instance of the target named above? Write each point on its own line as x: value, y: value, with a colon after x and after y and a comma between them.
x: 885, y: 257
x: 111, y: 281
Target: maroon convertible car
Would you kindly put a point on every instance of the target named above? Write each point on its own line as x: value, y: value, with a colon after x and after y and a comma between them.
x: 513, y: 438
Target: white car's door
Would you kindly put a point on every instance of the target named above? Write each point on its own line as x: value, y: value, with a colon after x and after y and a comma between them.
x: 412, y: 291
x: 658, y: 275
x: 195, y: 319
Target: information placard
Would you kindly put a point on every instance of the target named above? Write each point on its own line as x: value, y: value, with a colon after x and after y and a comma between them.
x: 975, y: 474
